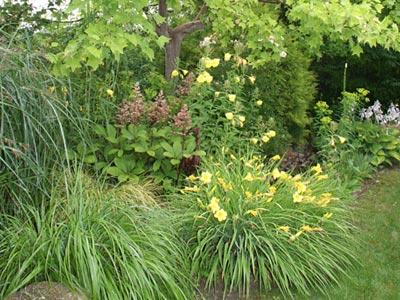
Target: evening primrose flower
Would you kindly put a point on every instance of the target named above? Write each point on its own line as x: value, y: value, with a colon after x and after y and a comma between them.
x: 276, y: 157
x: 227, y: 56
x: 205, y: 177
x: 265, y: 138
x: 174, y: 73
x: 204, y: 77
x: 110, y: 93
x: 214, y: 205
x: 317, y: 169
x: 254, y: 141
x: 232, y: 97
x: 283, y: 228
x: 271, y: 133
x: 259, y: 102
x: 210, y: 63
x: 185, y: 72
x: 220, y: 215
x: 252, y: 79
x: 242, y: 118
x: 229, y: 115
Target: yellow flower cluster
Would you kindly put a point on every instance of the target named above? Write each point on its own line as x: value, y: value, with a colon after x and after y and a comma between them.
x: 218, y: 212
x: 204, y: 77
x: 210, y: 63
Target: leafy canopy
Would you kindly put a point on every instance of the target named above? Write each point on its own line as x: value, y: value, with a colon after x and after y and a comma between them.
x: 264, y: 27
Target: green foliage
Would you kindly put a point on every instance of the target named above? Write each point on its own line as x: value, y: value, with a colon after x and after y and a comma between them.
x: 227, y: 109
x: 248, y: 224
x: 377, y: 69
x: 109, y: 27
x: 383, y: 144
x: 34, y: 122
x: 134, y: 151
x: 287, y: 89
x: 95, y: 243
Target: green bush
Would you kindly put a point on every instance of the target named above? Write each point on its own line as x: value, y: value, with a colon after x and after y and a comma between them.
x: 89, y: 240
x: 288, y: 90
x: 248, y: 224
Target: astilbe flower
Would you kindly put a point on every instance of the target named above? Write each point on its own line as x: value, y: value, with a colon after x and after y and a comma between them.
x: 184, y: 88
x: 183, y: 120
x: 159, y: 112
x: 130, y: 112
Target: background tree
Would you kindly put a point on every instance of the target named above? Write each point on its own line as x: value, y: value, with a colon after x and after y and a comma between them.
x: 108, y: 27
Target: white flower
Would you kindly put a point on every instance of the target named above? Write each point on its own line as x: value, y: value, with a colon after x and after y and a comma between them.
x: 283, y: 54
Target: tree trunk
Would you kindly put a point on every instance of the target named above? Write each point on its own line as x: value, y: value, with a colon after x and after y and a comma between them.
x: 172, y: 52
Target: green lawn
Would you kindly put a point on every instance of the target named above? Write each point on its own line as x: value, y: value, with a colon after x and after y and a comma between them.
x: 377, y: 215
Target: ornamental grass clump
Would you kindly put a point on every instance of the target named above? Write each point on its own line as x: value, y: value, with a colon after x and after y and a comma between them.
x: 248, y: 223
x: 91, y: 241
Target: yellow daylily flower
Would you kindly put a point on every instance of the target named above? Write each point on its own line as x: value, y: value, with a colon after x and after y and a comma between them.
x: 327, y: 215
x: 276, y: 173
x: 229, y: 115
x: 185, y: 72
x: 110, y: 93
x: 205, y: 177
x: 237, y: 79
x: 217, y: 94
x: 248, y: 194
x: 284, y: 228
x: 249, y: 177
x: 221, y: 215
x: 192, y: 178
x: 191, y: 189
x: 232, y: 97
x: 297, y: 198
x: 254, y: 141
x: 322, y: 177
x: 252, y: 79
x: 214, y: 205
x: 317, y: 169
x: 276, y: 157
x: 300, y: 186
x: 307, y: 228
x: 342, y: 139
x: 253, y: 212
x: 295, y: 236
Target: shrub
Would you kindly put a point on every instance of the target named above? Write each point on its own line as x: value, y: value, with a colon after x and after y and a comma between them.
x: 249, y: 224
x: 92, y: 242
x: 145, y: 141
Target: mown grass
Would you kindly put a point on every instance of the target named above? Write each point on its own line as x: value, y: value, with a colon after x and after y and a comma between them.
x: 377, y: 212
